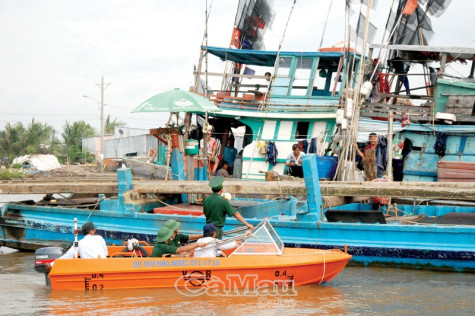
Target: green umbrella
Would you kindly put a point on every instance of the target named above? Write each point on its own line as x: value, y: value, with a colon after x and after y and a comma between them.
x: 177, y: 100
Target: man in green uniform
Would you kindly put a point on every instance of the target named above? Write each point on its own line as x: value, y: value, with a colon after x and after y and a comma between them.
x: 216, y: 207
x: 163, y: 245
x: 177, y: 238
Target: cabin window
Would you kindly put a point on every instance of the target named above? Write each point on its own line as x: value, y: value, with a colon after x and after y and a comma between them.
x: 303, y: 71
x: 335, y: 83
x: 325, y: 76
x: 301, y: 132
x: 284, y: 66
x: 281, y: 83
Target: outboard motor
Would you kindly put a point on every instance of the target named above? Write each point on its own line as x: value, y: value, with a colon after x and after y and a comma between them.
x: 44, y: 256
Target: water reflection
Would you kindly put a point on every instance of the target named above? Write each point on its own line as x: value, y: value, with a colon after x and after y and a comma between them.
x: 310, y: 299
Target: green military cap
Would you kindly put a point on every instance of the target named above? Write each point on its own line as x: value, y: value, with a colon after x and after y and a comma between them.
x: 216, y: 183
x: 172, y: 225
x: 164, y: 234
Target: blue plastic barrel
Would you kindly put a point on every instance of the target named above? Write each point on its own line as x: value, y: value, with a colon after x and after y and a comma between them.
x: 326, y: 166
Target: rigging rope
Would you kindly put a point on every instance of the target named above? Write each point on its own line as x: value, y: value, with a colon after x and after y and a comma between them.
x: 325, y: 25
x: 277, y: 57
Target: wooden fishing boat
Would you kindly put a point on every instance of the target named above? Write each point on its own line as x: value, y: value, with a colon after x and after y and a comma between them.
x: 261, y: 261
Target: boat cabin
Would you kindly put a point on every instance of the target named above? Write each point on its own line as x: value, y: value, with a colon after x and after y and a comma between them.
x: 278, y: 99
x: 424, y: 83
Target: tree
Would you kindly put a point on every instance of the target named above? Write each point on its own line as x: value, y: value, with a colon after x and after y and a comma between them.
x: 111, y: 125
x: 16, y: 141
x: 10, y: 145
x: 36, y: 138
x: 72, y: 135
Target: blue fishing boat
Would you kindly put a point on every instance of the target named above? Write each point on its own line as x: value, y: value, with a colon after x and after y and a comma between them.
x: 305, y: 101
x: 444, y: 240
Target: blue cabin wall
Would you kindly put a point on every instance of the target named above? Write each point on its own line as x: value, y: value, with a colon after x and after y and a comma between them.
x: 421, y: 163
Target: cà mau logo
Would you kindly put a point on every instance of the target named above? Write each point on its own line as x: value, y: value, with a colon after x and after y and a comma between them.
x: 183, y: 103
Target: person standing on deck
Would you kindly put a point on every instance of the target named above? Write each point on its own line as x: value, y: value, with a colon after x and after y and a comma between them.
x: 230, y: 154
x: 370, y: 157
x: 211, y: 150
x: 216, y: 207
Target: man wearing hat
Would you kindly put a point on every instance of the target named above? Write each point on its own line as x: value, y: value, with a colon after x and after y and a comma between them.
x: 215, y: 208
x: 209, y: 237
x: 92, y: 246
x: 163, y: 245
x: 177, y: 238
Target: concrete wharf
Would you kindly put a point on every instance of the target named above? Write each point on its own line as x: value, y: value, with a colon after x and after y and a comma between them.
x: 424, y: 190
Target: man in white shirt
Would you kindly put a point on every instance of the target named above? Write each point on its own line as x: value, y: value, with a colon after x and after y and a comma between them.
x: 92, y: 246
x: 211, y: 249
x: 294, y: 161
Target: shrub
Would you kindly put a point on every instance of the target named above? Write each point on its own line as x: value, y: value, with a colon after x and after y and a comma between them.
x: 9, y: 174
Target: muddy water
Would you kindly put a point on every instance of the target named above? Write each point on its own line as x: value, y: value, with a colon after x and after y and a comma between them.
x: 356, y: 291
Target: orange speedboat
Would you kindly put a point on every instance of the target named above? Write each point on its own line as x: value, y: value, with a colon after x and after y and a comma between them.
x: 260, y: 262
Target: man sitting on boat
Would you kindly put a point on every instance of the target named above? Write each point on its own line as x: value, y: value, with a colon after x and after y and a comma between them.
x: 214, y: 245
x: 92, y: 246
x: 177, y: 238
x: 294, y: 162
x: 223, y: 172
x: 164, y: 245
x: 216, y: 207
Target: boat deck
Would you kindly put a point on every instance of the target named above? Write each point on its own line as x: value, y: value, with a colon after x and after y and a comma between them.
x: 450, y: 219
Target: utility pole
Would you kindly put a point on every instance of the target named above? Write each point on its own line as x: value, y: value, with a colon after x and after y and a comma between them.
x: 102, y: 86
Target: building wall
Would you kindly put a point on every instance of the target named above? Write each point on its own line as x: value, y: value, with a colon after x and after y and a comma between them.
x: 125, y: 140
x: 130, y: 146
x: 123, y: 131
x: 93, y: 144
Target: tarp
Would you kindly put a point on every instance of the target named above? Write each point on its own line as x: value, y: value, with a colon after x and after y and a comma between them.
x: 39, y: 162
x: 367, y: 126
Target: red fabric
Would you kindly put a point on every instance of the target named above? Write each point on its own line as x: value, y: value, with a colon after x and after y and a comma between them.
x: 383, y: 83
x: 410, y: 7
x: 236, y: 38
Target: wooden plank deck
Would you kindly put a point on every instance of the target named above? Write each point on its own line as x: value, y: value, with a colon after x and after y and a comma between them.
x: 429, y: 190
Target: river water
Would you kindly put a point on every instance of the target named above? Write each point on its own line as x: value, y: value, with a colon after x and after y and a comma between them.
x: 355, y: 291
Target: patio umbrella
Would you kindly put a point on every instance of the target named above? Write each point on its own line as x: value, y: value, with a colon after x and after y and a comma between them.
x: 177, y: 100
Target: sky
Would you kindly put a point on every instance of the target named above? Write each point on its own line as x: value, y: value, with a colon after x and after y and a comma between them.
x: 53, y: 52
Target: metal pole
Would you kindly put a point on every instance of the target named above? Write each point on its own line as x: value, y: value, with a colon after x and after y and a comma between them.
x: 102, y: 86
x: 76, y: 244
x: 389, y: 165
x: 102, y: 125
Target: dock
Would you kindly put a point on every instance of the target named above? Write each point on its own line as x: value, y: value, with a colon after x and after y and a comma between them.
x: 422, y: 190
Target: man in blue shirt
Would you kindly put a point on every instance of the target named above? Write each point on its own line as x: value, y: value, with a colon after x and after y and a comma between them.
x: 230, y: 154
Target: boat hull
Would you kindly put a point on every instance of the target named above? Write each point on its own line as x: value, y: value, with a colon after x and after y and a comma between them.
x: 295, y: 267
x: 432, y: 246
